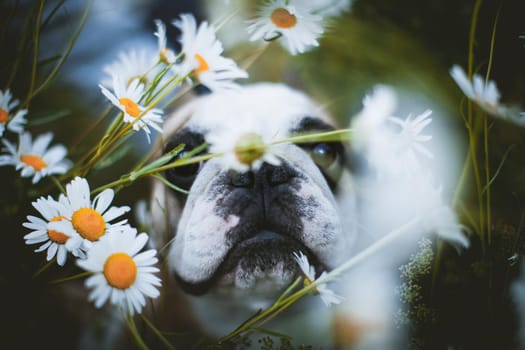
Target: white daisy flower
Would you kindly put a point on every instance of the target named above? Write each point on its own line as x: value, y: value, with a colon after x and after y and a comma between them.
x: 246, y: 150
x: 292, y: 19
x: 90, y: 219
x: 410, y: 138
x: 34, y: 158
x: 121, y: 273
x: 130, y: 66
x: 12, y: 121
x: 56, y: 242
x: 166, y: 55
x: 485, y: 95
x: 126, y: 98
x: 202, y: 58
x: 327, y: 296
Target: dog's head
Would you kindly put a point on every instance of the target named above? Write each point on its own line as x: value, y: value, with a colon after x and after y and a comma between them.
x: 237, y: 231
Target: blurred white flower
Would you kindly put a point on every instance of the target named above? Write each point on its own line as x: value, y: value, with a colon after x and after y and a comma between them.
x: 243, y: 151
x: 484, y: 94
x: 166, y: 55
x: 518, y: 296
x: 127, y: 99
x: 291, y: 21
x: 90, y: 219
x: 130, y: 66
x: 410, y: 138
x: 56, y: 242
x: 328, y: 8
x: 202, y: 56
x: 14, y: 123
x: 121, y: 273
x: 34, y: 158
x: 327, y: 296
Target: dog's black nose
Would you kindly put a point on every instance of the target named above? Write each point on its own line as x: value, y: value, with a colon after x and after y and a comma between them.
x: 267, y: 175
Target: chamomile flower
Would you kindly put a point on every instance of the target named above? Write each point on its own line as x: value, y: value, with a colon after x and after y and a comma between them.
x: 485, y: 95
x: 166, y: 55
x: 202, y: 56
x: 121, y: 273
x: 247, y: 150
x: 8, y: 119
x: 410, y: 138
x: 34, y: 158
x: 57, y: 243
x: 327, y: 296
x: 130, y: 66
x: 292, y: 21
x: 90, y: 219
x: 126, y: 98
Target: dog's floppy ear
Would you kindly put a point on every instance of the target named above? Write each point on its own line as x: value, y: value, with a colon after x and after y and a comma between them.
x: 164, y: 208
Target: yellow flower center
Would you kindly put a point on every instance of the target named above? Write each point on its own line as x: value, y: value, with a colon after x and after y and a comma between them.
x: 203, y: 65
x: 4, y: 116
x: 164, y: 56
x: 88, y: 223
x: 33, y: 161
x: 249, y: 147
x: 120, y: 270
x: 57, y: 236
x: 282, y: 18
x: 130, y: 106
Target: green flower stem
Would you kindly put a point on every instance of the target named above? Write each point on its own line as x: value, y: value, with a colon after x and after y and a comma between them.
x: 72, y: 278
x: 134, y: 332
x: 329, y: 136
x: 283, y: 303
x: 63, y: 58
x: 157, y: 333
x: 43, y: 268
x: 36, y: 45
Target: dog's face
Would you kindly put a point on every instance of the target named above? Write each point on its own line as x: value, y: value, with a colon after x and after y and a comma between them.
x: 237, y: 231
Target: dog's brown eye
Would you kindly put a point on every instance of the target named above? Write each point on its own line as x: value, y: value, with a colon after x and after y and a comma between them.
x: 324, y: 154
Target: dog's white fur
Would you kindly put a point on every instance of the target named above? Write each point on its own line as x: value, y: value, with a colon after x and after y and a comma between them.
x: 199, y: 236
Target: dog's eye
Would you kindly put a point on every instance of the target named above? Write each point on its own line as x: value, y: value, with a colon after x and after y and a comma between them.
x: 324, y: 154
x: 328, y: 157
x: 183, y: 176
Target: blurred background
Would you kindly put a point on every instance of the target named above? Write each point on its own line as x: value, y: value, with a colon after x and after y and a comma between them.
x: 408, y: 44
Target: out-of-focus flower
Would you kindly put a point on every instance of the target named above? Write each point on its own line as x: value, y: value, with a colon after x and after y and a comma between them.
x: 202, y: 56
x: 484, y: 94
x: 127, y: 99
x: 246, y: 150
x: 327, y: 296
x: 292, y: 21
x: 34, y: 158
x: 121, y: 273
x: 130, y: 66
x: 518, y: 296
x: 410, y: 138
x: 14, y: 123
x: 56, y: 242
x: 328, y: 8
x: 90, y: 219
x: 166, y: 55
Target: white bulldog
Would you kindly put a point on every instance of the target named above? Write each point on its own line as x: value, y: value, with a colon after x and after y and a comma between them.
x: 232, y: 238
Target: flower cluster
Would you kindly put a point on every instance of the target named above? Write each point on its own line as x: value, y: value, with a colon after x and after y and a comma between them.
x: 85, y: 228
x: 296, y: 23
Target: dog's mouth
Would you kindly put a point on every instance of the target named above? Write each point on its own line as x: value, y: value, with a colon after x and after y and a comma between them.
x: 266, y: 256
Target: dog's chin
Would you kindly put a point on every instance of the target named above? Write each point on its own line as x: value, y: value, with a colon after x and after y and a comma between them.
x: 262, y: 264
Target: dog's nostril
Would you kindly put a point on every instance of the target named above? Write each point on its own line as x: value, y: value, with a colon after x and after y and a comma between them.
x: 278, y: 175
x: 246, y: 179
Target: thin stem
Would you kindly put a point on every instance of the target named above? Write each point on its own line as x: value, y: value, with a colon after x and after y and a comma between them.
x: 72, y: 278
x: 36, y: 45
x: 157, y: 333
x: 135, y: 332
